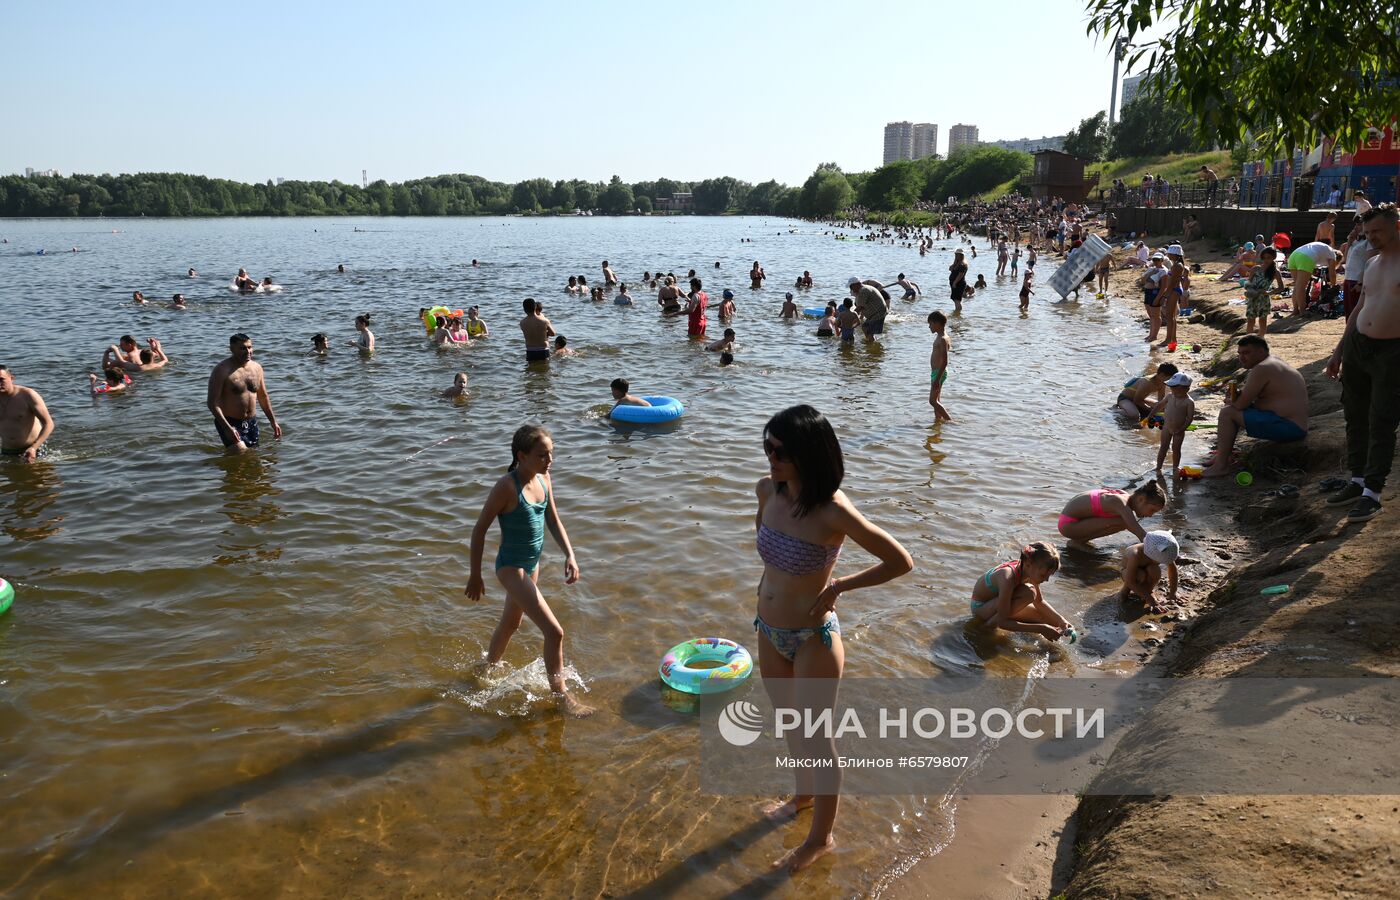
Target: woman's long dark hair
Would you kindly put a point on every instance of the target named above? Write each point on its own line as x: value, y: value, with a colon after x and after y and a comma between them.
x: 810, y: 443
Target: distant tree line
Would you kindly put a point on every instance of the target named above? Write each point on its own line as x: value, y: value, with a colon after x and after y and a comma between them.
x: 899, y: 185
x: 172, y: 194
x: 905, y: 183
x: 1153, y: 123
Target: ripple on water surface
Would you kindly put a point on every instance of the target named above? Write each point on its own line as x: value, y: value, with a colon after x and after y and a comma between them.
x: 259, y: 671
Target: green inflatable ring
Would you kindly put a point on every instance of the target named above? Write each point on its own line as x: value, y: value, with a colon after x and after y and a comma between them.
x: 7, y: 595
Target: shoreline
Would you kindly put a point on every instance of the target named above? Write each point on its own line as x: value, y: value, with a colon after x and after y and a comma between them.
x: 1053, y: 845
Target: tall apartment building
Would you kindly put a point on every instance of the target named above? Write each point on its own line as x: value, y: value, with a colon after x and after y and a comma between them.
x: 899, y: 141
x: 960, y: 136
x: 1130, y: 89
x: 925, y: 140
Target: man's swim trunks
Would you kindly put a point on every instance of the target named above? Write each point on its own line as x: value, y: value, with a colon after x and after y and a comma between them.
x: 937, y: 376
x: 1270, y: 426
x: 245, y: 430
x: 536, y: 354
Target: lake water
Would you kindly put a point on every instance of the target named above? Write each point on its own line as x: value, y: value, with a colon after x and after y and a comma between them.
x: 251, y: 675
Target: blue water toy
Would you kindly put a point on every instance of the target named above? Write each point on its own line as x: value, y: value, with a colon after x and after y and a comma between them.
x: 662, y: 409
x: 706, y: 666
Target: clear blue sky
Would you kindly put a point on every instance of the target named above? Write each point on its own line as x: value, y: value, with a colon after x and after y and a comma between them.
x: 759, y: 89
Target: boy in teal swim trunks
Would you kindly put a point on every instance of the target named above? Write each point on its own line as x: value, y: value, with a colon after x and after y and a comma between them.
x: 938, y: 365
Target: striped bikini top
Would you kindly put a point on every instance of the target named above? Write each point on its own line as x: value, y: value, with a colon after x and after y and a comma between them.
x: 794, y: 555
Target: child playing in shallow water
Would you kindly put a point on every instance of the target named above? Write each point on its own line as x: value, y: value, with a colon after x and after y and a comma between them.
x: 724, y: 344
x: 523, y: 501
x: 621, y: 397
x: 789, y: 307
x: 1177, y: 409
x: 1142, y: 569
x: 459, y: 386
x: 1009, y: 597
x: 938, y: 365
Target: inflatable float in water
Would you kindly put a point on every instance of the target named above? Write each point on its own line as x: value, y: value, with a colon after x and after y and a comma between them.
x: 706, y: 666
x: 662, y: 409
x: 7, y: 595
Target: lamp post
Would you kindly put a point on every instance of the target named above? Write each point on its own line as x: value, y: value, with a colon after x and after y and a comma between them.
x: 1120, y: 50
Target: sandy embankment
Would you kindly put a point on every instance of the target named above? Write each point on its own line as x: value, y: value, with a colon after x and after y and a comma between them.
x: 1340, y: 618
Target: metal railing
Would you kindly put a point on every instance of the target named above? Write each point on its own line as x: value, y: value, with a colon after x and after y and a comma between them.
x: 1261, y: 192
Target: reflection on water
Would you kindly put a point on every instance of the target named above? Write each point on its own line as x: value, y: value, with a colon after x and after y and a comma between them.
x: 247, y: 492
x: 253, y: 674
x: 27, y: 491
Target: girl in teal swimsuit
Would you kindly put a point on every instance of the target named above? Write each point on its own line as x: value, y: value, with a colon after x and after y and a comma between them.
x: 803, y: 519
x: 1009, y: 597
x: 523, y: 501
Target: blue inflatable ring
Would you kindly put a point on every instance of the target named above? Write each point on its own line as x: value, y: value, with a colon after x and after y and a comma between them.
x: 706, y: 666
x: 662, y: 409
x: 814, y: 312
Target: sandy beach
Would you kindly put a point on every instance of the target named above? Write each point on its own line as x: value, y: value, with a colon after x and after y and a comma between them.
x: 1338, y: 619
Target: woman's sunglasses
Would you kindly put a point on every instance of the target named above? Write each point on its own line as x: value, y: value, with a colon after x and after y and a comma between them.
x: 777, y: 451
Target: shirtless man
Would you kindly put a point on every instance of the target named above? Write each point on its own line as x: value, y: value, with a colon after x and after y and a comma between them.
x: 235, y: 385
x: 609, y: 276
x: 243, y: 282
x: 127, y: 357
x: 537, y: 330
x: 1272, y: 405
x: 911, y: 288
x: 1367, y: 360
x: 25, y: 423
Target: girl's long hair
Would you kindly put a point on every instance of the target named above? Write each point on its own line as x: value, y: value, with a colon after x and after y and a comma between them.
x: 524, y: 440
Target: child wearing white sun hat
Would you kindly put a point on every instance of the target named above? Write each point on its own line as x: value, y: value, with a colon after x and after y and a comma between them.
x: 1142, y: 569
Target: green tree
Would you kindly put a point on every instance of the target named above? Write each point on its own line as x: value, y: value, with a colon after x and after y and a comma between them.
x: 825, y: 192
x: 616, y: 199
x: 713, y: 196
x: 763, y: 198
x: 522, y: 198
x: 1290, y: 73
x: 644, y: 204
x: 1090, y: 139
x: 893, y: 186
x: 561, y: 197
x: 1154, y: 124
x: 585, y: 195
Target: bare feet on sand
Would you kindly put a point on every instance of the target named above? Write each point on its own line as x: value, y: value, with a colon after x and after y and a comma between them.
x: 803, y: 855
x: 1215, y: 471
x: 572, y: 707
x: 781, y: 811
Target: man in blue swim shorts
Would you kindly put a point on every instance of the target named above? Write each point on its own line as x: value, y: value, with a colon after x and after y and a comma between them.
x: 1272, y: 405
x: 236, y: 389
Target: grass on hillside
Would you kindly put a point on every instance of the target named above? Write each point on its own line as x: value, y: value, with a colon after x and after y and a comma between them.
x: 1177, y: 167
x: 1002, y: 189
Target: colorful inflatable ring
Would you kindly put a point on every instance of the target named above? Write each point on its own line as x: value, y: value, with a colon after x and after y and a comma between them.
x: 430, y: 317
x: 706, y: 666
x: 662, y: 409
x: 815, y: 312
x: 7, y: 596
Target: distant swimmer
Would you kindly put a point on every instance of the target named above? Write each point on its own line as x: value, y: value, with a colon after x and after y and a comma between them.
x: 365, y: 342
x: 132, y: 360
x: 572, y: 287
x: 475, y: 264
x: 237, y: 386
x: 138, y: 298
x: 696, y: 303
x: 193, y: 273
x: 623, y: 298
x: 981, y: 282
x: 621, y: 396
x: 177, y: 302
x: 726, y: 306
x: 25, y: 423
x: 319, y: 347
x: 267, y: 284
x: 340, y: 268
x: 537, y: 330
x: 459, y: 386
x: 756, y: 276
x: 724, y: 344
x: 609, y: 276
x: 668, y: 296
x: 561, y: 346
x: 476, y: 328
x: 114, y: 381
x: 243, y: 282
